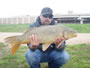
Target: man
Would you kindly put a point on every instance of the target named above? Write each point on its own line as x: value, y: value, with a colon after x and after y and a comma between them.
x: 55, y: 57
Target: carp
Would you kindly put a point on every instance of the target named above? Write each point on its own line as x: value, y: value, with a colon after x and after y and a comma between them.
x: 46, y: 33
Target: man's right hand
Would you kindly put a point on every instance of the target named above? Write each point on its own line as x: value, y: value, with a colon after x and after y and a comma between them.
x: 34, y: 41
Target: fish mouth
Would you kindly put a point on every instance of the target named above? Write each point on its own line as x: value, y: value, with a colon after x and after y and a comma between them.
x: 75, y: 35
x: 72, y: 35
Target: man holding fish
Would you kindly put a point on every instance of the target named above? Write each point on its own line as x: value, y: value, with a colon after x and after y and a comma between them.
x: 55, y: 54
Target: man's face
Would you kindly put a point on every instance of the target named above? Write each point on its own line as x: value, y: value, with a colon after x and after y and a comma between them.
x: 46, y: 19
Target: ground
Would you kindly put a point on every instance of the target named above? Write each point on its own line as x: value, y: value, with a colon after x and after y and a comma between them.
x: 80, y: 39
x: 77, y: 53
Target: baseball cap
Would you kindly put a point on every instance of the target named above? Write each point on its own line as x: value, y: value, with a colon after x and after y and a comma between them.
x: 47, y: 10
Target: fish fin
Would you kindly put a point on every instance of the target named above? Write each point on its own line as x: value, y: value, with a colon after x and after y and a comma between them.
x: 29, y: 29
x: 14, y: 42
x: 45, y: 46
x: 25, y: 31
x: 60, y: 44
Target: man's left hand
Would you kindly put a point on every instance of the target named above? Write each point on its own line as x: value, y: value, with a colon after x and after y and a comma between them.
x: 58, y: 40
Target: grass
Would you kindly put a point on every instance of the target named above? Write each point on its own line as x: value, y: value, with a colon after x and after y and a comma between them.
x: 81, y: 28
x: 9, y: 61
x: 80, y: 57
x: 13, y: 27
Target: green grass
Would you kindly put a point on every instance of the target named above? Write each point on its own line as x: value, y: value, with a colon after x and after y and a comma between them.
x: 9, y: 61
x: 80, y: 57
x: 13, y: 27
x: 81, y: 28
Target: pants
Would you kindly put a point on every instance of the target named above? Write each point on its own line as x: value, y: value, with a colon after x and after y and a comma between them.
x: 54, y: 58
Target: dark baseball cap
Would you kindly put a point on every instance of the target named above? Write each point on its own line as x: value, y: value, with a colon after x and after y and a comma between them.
x: 47, y: 10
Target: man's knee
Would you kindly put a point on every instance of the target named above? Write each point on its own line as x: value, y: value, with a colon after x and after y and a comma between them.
x: 33, y: 57
x: 61, y: 57
x: 66, y: 57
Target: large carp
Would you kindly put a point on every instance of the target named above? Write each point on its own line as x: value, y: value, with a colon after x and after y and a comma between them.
x: 46, y: 33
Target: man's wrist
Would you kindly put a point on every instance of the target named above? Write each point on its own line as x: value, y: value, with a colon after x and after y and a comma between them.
x: 32, y: 47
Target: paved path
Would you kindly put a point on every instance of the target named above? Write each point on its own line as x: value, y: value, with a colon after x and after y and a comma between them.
x: 81, y: 38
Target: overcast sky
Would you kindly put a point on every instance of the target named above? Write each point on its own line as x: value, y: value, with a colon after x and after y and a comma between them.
x: 9, y: 8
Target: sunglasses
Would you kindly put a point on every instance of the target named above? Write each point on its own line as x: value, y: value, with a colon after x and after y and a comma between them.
x: 48, y: 16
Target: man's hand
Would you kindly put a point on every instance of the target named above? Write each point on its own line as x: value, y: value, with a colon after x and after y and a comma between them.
x: 35, y: 41
x: 58, y: 40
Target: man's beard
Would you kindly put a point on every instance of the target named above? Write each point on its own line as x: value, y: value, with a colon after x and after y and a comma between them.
x: 46, y: 23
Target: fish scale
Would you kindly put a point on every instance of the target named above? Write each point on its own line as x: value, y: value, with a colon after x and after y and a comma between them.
x: 46, y: 33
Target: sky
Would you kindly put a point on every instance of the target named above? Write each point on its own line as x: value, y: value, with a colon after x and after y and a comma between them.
x: 10, y: 8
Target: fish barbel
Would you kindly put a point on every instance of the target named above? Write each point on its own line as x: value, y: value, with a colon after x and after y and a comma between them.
x: 46, y: 33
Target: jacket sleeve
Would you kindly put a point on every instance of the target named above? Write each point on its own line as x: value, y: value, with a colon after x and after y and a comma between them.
x: 28, y: 45
x: 35, y: 24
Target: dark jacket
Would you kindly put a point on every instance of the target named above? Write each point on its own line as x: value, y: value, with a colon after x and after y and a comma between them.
x: 37, y: 23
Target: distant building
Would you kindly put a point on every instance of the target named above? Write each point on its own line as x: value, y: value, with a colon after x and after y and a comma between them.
x: 59, y: 18
x: 73, y: 18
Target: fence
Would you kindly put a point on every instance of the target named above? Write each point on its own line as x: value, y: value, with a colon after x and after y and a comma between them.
x: 75, y: 19
x: 18, y: 20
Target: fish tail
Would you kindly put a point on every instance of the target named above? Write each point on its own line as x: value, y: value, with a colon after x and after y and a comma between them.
x: 15, y: 43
